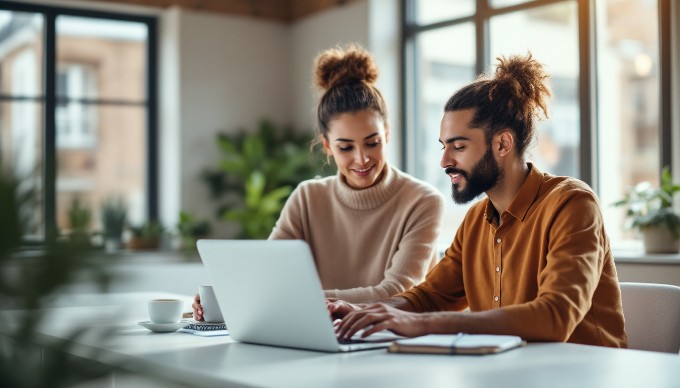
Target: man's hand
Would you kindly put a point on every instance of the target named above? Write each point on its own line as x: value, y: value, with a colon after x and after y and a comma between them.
x: 378, y: 316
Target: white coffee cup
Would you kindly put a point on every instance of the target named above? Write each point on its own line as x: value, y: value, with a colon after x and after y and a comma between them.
x: 165, y: 310
x: 211, y: 310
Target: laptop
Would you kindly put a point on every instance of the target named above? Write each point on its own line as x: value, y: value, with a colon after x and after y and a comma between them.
x: 270, y: 294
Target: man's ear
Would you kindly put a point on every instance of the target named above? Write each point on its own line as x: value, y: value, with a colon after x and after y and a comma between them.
x: 504, y: 142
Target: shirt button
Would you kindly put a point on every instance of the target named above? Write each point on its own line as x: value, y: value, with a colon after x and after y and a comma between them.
x: 498, y: 269
x: 498, y: 240
x: 495, y: 298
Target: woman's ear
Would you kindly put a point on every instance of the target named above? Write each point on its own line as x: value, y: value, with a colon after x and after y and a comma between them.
x: 326, y: 146
x: 387, y: 132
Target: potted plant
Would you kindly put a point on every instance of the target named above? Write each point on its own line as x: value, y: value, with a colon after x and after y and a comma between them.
x: 650, y: 210
x: 114, y: 218
x: 146, y: 236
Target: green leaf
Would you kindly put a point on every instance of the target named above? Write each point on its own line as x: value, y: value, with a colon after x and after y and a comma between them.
x: 254, y: 188
x: 253, y: 150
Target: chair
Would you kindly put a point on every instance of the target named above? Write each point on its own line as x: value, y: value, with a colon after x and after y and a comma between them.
x: 652, y: 314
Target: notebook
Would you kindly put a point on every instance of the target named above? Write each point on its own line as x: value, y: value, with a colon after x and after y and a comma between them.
x: 270, y: 294
x: 457, y: 344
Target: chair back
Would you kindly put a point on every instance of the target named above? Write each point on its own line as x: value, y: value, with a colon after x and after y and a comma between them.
x: 652, y: 314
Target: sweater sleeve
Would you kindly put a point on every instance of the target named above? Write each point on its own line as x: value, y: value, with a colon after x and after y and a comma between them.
x: 416, y: 254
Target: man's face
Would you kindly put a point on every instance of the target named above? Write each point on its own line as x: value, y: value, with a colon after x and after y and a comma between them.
x: 467, y: 159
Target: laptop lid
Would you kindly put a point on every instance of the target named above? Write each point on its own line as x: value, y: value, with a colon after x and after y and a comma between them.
x: 269, y: 293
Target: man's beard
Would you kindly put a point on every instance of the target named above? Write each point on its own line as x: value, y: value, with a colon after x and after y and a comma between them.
x: 484, y: 176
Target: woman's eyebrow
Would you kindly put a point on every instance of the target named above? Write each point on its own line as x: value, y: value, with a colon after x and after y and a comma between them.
x: 352, y: 141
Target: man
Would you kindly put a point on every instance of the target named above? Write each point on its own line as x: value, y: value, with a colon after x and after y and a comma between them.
x: 532, y: 259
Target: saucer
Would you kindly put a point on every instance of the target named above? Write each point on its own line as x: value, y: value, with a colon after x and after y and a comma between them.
x: 163, y: 327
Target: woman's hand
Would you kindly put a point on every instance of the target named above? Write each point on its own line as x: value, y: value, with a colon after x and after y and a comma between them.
x: 338, y: 308
x: 198, y: 309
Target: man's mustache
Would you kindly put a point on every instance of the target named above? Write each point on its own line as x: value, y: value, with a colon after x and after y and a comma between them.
x: 452, y: 170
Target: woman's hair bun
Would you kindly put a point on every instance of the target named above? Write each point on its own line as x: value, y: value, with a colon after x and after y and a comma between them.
x: 344, y: 65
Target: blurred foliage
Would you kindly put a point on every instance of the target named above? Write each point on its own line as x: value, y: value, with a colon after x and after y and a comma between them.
x: 190, y: 230
x: 28, y: 284
x: 114, y: 216
x: 256, y: 173
x: 80, y: 218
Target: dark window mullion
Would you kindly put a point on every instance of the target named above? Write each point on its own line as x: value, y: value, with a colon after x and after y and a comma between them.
x: 152, y: 120
x: 482, y: 49
x: 49, y: 128
x: 666, y: 85
x: 588, y: 165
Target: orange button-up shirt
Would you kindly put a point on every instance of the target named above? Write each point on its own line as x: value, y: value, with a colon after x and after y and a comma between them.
x: 546, y: 272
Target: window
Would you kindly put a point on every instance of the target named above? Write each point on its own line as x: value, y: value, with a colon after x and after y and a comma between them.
x: 611, y: 148
x: 86, y: 129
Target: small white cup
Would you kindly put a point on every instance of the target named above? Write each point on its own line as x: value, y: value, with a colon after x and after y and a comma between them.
x: 211, y: 310
x: 165, y: 310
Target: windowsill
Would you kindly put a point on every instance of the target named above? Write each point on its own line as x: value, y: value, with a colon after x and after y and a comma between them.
x: 126, y: 256
x: 640, y: 257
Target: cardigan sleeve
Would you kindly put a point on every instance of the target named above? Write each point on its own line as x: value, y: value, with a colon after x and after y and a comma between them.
x: 415, y: 256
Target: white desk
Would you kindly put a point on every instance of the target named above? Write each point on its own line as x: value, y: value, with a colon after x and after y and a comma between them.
x: 218, y: 361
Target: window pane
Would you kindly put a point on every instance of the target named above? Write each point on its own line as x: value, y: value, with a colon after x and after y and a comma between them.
x: 102, y: 59
x: 432, y: 11
x: 101, y: 151
x: 21, y: 148
x: 557, y: 149
x: 628, y: 103
x: 21, y: 57
x: 445, y: 61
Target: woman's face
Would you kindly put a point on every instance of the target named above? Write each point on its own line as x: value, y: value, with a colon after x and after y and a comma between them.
x: 357, y: 143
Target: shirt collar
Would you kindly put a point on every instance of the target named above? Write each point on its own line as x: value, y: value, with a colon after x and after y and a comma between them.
x: 525, y: 196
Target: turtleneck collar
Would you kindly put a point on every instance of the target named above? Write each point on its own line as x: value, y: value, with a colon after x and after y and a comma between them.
x: 372, y: 197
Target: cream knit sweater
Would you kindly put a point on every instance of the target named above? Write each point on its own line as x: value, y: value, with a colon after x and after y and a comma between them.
x: 368, y: 244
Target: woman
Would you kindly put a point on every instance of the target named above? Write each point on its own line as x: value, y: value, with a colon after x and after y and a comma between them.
x: 371, y: 228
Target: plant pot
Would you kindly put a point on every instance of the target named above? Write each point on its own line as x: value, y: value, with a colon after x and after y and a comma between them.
x: 659, y: 239
x: 141, y: 244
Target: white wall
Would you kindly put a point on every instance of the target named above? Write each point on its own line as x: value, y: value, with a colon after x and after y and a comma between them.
x: 233, y: 72
x: 310, y: 36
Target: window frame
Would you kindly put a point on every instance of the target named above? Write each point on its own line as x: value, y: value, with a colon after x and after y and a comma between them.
x: 588, y: 156
x: 49, y: 101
